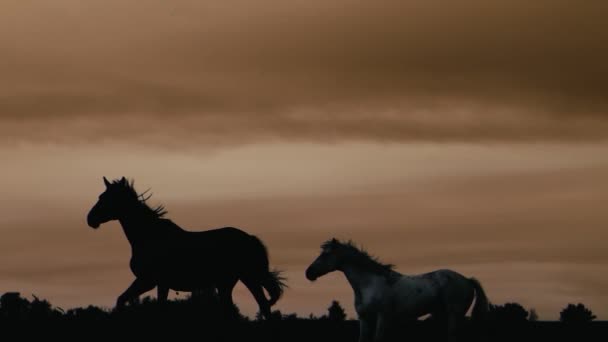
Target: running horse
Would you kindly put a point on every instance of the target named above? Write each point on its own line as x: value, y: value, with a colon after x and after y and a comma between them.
x: 384, y: 297
x: 167, y: 257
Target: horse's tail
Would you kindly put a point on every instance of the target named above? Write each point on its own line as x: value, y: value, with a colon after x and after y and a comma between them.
x: 271, y: 280
x: 275, y: 284
x: 482, y: 304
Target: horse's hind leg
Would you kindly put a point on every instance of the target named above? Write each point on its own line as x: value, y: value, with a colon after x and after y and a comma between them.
x: 224, y: 291
x: 453, y: 323
x: 258, y: 293
x: 384, y: 327
x: 367, y: 329
x: 455, y: 320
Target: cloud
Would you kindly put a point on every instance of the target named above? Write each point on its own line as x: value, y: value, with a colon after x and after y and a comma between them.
x: 241, y: 72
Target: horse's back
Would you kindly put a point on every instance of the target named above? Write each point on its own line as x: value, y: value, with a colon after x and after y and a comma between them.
x: 222, y: 238
x: 220, y: 233
x: 432, y: 292
x: 223, y: 231
x: 215, y: 243
x: 175, y: 238
x: 191, y: 258
x: 445, y: 275
x: 453, y: 286
x: 446, y: 278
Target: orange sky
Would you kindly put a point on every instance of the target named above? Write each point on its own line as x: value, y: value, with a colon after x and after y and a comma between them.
x: 470, y: 136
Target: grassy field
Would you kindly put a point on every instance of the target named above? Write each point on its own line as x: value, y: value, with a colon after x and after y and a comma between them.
x: 203, y: 320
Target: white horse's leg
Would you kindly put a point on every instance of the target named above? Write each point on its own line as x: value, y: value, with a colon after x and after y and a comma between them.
x: 366, y: 329
x: 162, y: 293
x: 382, y: 328
x: 452, y: 325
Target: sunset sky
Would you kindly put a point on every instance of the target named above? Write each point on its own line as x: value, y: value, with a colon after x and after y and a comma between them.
x: 470, y: 135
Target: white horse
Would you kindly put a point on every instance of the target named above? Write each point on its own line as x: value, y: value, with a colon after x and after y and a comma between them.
x: 384, y: 297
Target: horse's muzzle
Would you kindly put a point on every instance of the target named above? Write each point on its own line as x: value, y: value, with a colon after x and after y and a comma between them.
x: 310, y: 275
x: 92, y: 223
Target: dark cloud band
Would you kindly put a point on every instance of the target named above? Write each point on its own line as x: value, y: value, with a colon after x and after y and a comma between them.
x: 391, y: 70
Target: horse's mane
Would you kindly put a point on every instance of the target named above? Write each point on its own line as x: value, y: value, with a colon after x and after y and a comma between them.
x: 359, y: 257
x: 152, y: 212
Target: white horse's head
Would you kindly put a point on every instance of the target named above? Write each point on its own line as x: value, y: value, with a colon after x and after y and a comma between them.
x: 327, y: 261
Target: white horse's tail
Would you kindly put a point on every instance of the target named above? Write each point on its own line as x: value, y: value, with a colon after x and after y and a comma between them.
x: 482, y: 305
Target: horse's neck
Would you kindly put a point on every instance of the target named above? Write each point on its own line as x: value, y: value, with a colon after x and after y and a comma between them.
x: 360, y: 280
x: 137, y: 228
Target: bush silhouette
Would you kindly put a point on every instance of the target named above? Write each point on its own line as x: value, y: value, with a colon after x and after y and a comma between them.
x: 509, y: 313
x: 533, y: 316
x: 576, y: 314
x: 14, y: 307
x: 336, y: 312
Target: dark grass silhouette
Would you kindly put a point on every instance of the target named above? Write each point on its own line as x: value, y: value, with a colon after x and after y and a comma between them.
x: 513, y: 313
x: 576, y: 314
x: 201, y: 318
x: 167, y: 257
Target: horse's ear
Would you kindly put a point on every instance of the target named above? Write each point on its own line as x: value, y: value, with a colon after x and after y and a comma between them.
x: 106, y: 182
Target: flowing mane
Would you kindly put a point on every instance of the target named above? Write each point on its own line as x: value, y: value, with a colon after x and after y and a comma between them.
x: 129, y: 188
x: 361, y: 258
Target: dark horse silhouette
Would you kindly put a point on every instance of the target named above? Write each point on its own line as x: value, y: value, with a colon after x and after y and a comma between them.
x: 168, y: 257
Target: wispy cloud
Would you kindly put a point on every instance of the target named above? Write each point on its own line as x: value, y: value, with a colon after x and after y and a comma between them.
x: 234, y: 73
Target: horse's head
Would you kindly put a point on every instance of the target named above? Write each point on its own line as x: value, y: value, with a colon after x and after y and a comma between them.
x: 111, y: 202
x: 328, y: 261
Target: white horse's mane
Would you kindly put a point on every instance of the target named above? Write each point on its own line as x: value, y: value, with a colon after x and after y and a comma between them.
x: 361, y: 258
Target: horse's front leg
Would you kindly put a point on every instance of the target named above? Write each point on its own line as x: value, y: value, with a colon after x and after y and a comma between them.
x: 137, y: 288
x: 366, y: 329
x: 162, y: 293
x: 382, y: 328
